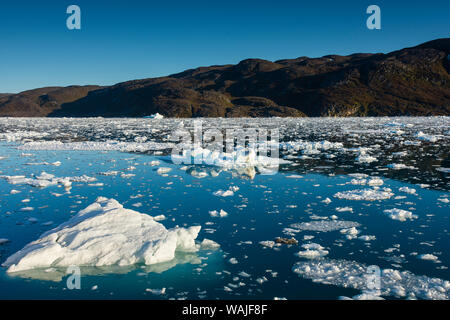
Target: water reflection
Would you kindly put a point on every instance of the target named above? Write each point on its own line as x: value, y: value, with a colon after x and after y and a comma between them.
x: 57, y: 274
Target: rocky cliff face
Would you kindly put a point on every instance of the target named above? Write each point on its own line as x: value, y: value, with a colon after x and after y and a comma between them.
x: 411, y: 81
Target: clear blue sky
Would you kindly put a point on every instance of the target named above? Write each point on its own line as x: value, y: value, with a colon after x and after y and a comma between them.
x: 124, y: 40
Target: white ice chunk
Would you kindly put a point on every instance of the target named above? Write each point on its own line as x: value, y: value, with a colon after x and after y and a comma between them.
x: 407, y: 190
x: 365, y: 158
x: 222, y: 213
x: 209, y: 244
x: 428, y: 256
x: 224, y: 193
x: 351, y: 274
x: 325, y: 225
x: 400, y: 166
x: 400, y: 215
x: 365, y: 194
x: 163, y: 170
x: 312, y: 251
x: 426, y: 137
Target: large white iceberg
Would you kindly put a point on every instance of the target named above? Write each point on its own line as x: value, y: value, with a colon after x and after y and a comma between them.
x: 105, y: 234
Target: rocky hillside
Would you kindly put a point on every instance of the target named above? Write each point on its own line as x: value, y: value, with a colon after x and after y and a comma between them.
x: 411, y: 81
x: 41, y: 102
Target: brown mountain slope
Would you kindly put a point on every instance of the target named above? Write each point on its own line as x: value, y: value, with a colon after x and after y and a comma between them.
x: 411, y: 81
x: 40, y: 102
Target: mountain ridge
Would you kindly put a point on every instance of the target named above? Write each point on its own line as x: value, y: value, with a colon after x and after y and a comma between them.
x: 412, y: 81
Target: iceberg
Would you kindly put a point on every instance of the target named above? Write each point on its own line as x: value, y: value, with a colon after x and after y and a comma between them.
x: 105, y: 234
x: 243, y: 161
x: 155, y: 116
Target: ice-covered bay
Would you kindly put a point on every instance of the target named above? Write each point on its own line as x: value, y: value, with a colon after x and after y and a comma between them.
x: 330, y: 203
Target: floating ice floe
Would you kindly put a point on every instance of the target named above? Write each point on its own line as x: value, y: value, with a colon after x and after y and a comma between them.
x: 269, y: 243
x: 222, y: 213
x: 394, y: 124
x: 444, y: 200
x: 324, y: 225
x: 344, y: 209
x: 157, y: 292
x: 127, y: 175
x: 156, y: 116
x: 244, y: 274
x: 45, y: 180
x: 351, y: 274
x: 56, y: 163
x: 294, y: 176
x: 223, y: 193
x: 407, y: 190
x: 358, y: 175
x: 360, y: 182
x: 163, y: 170
x: 367, y: 238
x: 375, y: 182
x: 109, y: 173
x: 243, y: 160
x: 22, y: 135
x: 309, y: 147
x: 261, y: 280
x: 426, y: 137
x: 350, y: 233
x: 428, y: 256
x: 198, y: 174
x: 207, y: 244
x: 160, y: 217
x: 365, y: 158
x: 365, y: 194
x: 312, y: 251
x: 399, y: 214
x: 226, y: 193
x: 400, y: 166
x: 105, y: 234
